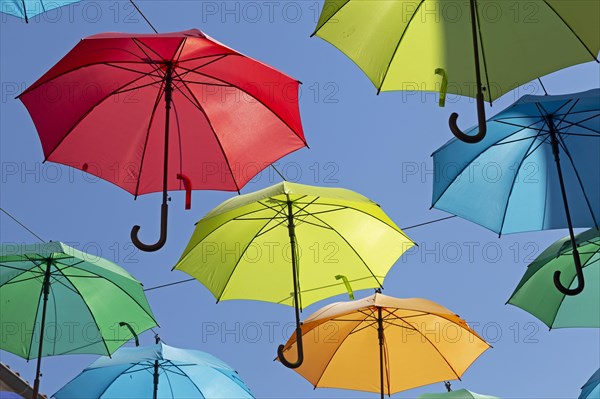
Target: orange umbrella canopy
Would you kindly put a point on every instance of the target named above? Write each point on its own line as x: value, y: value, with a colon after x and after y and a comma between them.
x: 422, y: 343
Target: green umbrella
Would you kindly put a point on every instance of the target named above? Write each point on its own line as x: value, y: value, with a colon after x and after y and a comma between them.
x: 535, y: 293
x: 81, y: 302
x: 341, y: 241
x: 475, y: 48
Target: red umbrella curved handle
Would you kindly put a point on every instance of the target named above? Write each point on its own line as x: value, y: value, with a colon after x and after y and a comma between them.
x: 187, y: 184
x: 580, y: 280
x: 164, y: 210
x: 300, y: 358
x: 481, y: 119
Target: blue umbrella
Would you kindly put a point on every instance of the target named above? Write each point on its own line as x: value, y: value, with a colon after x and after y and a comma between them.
x: 30, y: 8
x: 537, y: 169
x: 157, y: 371
x: 591, y: 389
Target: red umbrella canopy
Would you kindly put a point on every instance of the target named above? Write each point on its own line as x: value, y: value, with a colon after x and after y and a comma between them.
x: 118, y: 104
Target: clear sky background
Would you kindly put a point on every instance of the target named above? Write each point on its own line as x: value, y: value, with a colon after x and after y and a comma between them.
x: 379, y: 146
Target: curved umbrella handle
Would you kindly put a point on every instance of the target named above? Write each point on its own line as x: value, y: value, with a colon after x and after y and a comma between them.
x: 137, y: 340
x: 482, y: 124
x: 300, y: 358
x: 187, y: 185
x: 163, y: 233
x: 580, y: 279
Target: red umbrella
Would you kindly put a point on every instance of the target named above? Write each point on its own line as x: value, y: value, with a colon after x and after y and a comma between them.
x: 226, y: 116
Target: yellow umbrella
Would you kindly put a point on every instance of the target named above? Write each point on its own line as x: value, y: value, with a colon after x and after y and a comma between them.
x: 385, y: 344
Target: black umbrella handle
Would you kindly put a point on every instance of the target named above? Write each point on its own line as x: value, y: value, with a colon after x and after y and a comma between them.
x: 580, y: 280
x: 164, y: 211
x: 471, y: 139
x: 131, y: 330
x: 480, y: 104
x: 300, y: 348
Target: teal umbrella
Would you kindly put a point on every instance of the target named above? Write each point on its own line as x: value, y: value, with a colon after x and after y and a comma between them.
x: 460, y: 394
x: 591, y: 389
x: 157, y: 371
x: 535, y: 293
x: 26, y: 9
x: 57, y: 300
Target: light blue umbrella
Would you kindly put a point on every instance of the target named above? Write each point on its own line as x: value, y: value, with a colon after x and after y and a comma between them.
x: 157, y: 371
x: 30, y: 8
x: 591, y: 389
x: 537, y: 169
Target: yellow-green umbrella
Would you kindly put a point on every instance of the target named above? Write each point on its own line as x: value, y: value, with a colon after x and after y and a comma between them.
x: 386, y: 345
x: 341, y: 241
x: 475, y: 48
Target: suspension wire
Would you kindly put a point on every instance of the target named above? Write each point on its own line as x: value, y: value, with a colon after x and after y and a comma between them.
x: 191, y: 279
x: 143, y: 16
x: 278, y: 172
x: 22, y: 225
x: 543, y: 88
x: 429, y: 222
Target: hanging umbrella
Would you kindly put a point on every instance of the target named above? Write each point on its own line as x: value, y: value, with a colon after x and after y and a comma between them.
x: 26, y: 9
x: 226, y: 116
x: 459, y: 394
x: 554, y: 308
x: 386, y: 345
x: 157, y: 371
x: 538, y: 169
x: 57, y: 300
x: 330, y: 241
x: 423, y: 44
x: 591, y: 389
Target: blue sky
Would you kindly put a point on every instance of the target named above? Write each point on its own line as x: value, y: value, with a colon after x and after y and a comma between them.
x: 379, y: 146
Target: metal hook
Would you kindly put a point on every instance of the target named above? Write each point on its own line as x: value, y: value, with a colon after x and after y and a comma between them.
x: 580, y: 280
x: 300, y: 351
x: 137, y: 341
x: 164, y: 210
x: 471, y: 139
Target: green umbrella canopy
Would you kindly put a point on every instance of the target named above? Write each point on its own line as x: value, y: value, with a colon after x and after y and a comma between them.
x: 536, y: 294
x: 88, y: 298
x: 241, y: 249
x: 460, y: 394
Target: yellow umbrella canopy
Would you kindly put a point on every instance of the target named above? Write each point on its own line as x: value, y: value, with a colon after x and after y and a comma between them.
x: 385, y: 344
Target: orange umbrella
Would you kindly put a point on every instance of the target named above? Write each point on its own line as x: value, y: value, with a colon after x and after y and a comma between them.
x: 385, y: 344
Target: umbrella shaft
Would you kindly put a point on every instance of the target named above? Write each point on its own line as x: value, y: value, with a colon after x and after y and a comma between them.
x: 46, y: 291
x: 474, y: 32
x: 556, y: 151
x: 381, y: 341
x: 155, y: 390
x: 168, y: 100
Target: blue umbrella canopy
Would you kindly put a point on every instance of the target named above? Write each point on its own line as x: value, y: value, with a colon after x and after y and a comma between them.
x: 537, y: 169
x: 157, y: 371
x: 26, y: 9
x: 591, y: 389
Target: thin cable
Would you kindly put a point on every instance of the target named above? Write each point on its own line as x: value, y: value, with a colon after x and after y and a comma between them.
x: 191, y: 279
x: 278, y: 172
x: 426, y: 223
x: 143, y: 16
x: 169, y: 284
x: 23, y: 226
x: 543, y: 88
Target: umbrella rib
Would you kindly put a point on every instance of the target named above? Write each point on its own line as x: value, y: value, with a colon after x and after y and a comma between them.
x: 37, y: 308
x: 257, y: 99
x: 139, y: 45
x: 64, y: 136
x: 114, y: 379
x: 485, y: 69
x: 115, y: 65
x: 55, y: 318
x: 159, y: 96
x: 119, y: 287
x: 197, y: 104
x: 139, y: 87
x: 514, y: 179
x: 11, y: 281
x: 353, y: 250
x: 572, y: 31
x: 166, y: 374
x: 91, y: 314
x: 566, y: 151
x: 197, y: 387
x: 408, y: 24
x: 328, y: 19
x: 188, y: 70
x: 238, y: 261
